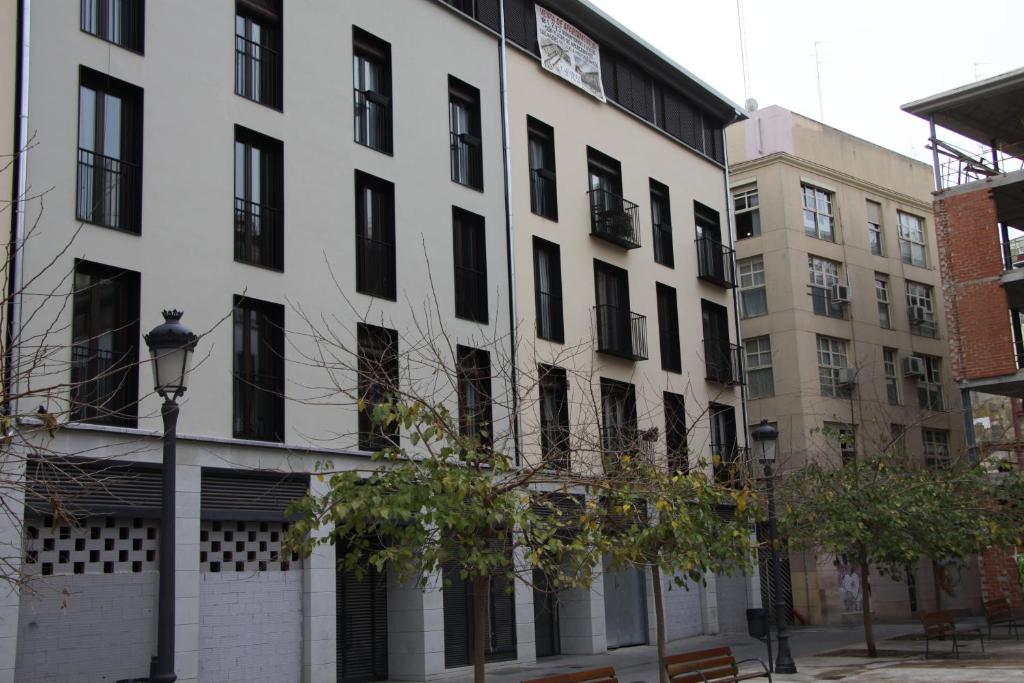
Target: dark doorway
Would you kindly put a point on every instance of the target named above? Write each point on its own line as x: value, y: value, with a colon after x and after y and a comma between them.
x: 545, y: 616
x: 362, y: 622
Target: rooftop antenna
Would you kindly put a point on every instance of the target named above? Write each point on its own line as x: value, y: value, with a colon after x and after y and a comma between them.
x: 977, y: 72
x: 749, y: 103
x: 817, y: 67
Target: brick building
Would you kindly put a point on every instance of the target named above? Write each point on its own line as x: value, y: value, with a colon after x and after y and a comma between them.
x: 979, y: 223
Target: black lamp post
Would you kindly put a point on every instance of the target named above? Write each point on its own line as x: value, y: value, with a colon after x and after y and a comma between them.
x: 768, y: 438
x: 170, y: 345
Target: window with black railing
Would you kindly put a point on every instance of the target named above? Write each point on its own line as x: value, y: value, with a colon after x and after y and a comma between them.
x: 722, y: 359
x: 547, y: 282
x: 105, y: 349
x: 375, y: 237
x: 258, y: 66
x: 259, y: 184
x: 621, y: 332
x: 614, y: 219
x: 121, y: 22
x: 377, y: 367
x: 715, y: 259
x: 619, y: 432
x: 675, y: 433
x: 465, y: 136
x: 474, y: 387
x: 726, y: 455
x: 668, y: 328
x: 371, y: 83
x: 258, y: 370
x: 554, y: 417
x: 541, y: 151
x: 661, y: 220
x: 468, y: 237
x: 109, y: 179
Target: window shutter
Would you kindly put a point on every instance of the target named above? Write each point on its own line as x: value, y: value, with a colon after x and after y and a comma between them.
x: 234, y: 495
x: 81, y: 487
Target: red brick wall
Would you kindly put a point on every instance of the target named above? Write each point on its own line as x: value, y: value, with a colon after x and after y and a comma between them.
x: 999, y: 577
x: 970, y: 261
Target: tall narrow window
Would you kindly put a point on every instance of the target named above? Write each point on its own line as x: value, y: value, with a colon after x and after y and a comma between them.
x: 547, y: 282
x: 258, y: 370
x: 760, y: 377
x: 753, y: 297
x: 819, y: 221
x: 833, y: 357
x: 721, y: 361
x: 371, y: 85
x: 105, y: 345
x: 824, y: 276
x: 618, y: 417
x: 612, y: 217
x: 714, y: 258
x: 724, y: 445
x: 375, y: 236
x: 675, y: 433
x: 543, y: 186
x: 875, y: 239
x: 921, y: 310
x: 936, y: 447
x: 259, y: 191
x: 892, y: 378
x: 912, y: 244
x: 121, y: 22
x: 898, y: 439
x: 747, y: 211
x: 258, y: 74
x: 929, y: 387
x: 470, y: 266
x: 474, y: 383
x: 882, y: 297
x: 377, y: 367
x: 843, y: 440
x: 554, y: 416
x: 464, y: 128
x: 109, y: 152
x: 668, y: 328
x: 661, y: 220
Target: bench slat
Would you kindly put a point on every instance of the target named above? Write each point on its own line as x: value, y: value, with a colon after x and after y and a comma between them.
x: 603, y: 675
x: 699, y: 654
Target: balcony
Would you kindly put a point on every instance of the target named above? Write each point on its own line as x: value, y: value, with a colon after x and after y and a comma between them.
x: 620, y: 441
x: 614, y: 219
x: 620, y: 332
x: 257, y: 72
x: 729, y: 464
x: 715, y: 263
x: 723, y: 362
x: 258, y: 235
x: 109, y: 191
x: 467, y: 160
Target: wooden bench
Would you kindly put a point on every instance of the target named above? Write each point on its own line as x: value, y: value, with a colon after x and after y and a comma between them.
x: 940, y: 625
x: 602, y: 675
x: 717, y: 665
x: 999, y: 613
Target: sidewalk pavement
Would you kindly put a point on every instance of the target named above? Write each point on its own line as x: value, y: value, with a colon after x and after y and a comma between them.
x: 822, y: 653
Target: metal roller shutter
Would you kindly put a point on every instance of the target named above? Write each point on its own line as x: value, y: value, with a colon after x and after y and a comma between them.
x: 362, y: 622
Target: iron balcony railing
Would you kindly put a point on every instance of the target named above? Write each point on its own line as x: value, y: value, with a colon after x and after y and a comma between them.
x: 614, y: 219
x: 467, y: 160
x: 375, y: 267
x: 471, y: 294
x: 730, y: 463
x: 109, y: 191
x: 258, y: 235
x: 620, y: 332
x: 663, y: 244
x: 257, y: 72
x: 120, y: 23
x: 723, y: 361
x: 259, y: 407
x: 715, y: 262
x: 373, y: 120
x: 543, y: 199
x: 627, y: 440
x: 103, y: 386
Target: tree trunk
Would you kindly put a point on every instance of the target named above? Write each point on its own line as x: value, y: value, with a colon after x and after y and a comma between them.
x: 869, y: 627
x: 481, y: 629
x: 659, y: 617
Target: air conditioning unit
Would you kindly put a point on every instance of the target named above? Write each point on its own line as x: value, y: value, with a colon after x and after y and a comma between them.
x: 847, y: 376
x: 840, y: 293
x: 917, y: 314
x: 913, y: 366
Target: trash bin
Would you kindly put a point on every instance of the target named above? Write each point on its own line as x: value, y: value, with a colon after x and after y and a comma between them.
x: 757, y: 622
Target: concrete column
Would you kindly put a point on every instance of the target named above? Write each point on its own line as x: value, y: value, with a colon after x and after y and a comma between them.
x: 526, y: 634
x: 415, y: 629
x: 709, y: 603
x: 319, y: 607
x: 186, y: 571
x: 581, y: 617
x: 11, y: 520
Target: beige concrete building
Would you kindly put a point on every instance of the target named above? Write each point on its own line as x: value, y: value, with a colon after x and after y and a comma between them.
x: 842, y: 319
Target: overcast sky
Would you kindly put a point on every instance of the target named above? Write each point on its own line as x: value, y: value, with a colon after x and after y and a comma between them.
x: 875, y: 54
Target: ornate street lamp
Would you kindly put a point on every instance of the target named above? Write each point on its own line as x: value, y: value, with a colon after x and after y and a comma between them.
x: 767, y: 438
x: 170, y: 345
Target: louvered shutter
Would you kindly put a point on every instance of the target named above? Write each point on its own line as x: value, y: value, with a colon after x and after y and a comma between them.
x: 362, y: 625
x: 458, y: 618
x: 247, y: 496
x: 82, y: 487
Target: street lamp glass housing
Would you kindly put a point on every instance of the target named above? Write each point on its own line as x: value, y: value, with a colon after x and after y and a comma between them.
x: 768, y: 438
x: 170, y: 346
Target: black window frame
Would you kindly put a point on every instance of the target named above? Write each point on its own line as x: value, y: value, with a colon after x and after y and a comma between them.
x: 370, y: 48
x: 676, y: 448
x: 469, y: 247
x: 376, y: 256
x: 99, y: 173
x: 95, y: 14
x: 555, y: 444
x: 548, y: 299
x: 465, y: 143
x: 668, y: 328
x: 267, y: 15
x: 259, y: 226
x: 473, y: 371
x: 661, y: 224
x: 543, y: 178
x: 105, y: 381
x: 249, y: 386
x: 618, y: 439
x: 377, y: 381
